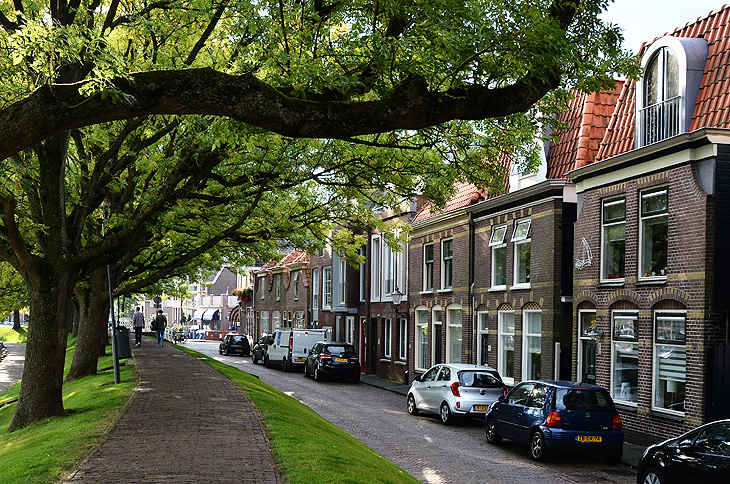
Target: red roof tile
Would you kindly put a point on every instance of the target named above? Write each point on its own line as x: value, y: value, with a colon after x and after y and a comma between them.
x: 466, y: 194
x: 711, y: 108
x: 288, y: 259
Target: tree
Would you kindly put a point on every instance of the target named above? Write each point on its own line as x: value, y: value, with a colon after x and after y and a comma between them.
x: 13, y: 296
x: 299, y: 69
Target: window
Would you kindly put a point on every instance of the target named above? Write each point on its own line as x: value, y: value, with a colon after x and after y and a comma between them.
x: 388, y: 269
x: 521, y: 239
x: 625, y: 358
x: 447, y: 256
x: 327, y: 287
x: 436, y: 337
x: 387, y: 335
x: 315, y: 289
x: 613, y: 260
x: 428, y: 267
x: 654, y: 234
x: 454, y: 337
x: 277, y: 285
x: 350, y: 329
x: 343, y: 273
x: 660, y: 114
x: 276, y: 317
x: 499, y: 257
x: 262, y: 282
x: 375, y: 269
x: 421, y: 343
x: 402, y: 339
x: 296, y: 285
x: 670, y: 357
x: 531, y: 345
x: 265, y: 322
x: 299, y: 319
x: 483, y: 341
x: 506, y: 346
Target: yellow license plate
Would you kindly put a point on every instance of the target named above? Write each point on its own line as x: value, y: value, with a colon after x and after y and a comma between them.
x: 299, y: 360
x: 589, y: 438
x: 341, y: 359
x: 481, y: 408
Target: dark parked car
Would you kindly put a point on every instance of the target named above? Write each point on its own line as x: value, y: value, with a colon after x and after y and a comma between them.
x: 329, y: 359
x: 700, y: 455
x: 259, y: 349
x: 235, y: 343
x: 558, y: 415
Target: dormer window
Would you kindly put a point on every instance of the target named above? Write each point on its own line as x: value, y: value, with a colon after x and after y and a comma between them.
x: 667, y: 93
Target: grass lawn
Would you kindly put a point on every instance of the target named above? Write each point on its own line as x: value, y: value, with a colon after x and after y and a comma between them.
x: 8, y: 335
x: 49, y: 450
x: 330, y: 455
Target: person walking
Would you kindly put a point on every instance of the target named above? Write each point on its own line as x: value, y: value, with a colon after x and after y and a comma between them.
x: 138, y: 323
x: 160, y: 325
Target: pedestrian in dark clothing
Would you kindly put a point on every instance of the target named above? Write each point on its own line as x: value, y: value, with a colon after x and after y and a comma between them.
x: 138, y: 323
x: 160, y: 325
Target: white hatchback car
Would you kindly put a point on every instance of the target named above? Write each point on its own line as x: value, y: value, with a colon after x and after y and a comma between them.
x: 455, y: 390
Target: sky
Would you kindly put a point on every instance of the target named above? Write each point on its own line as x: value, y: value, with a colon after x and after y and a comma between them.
x: 644, y: 20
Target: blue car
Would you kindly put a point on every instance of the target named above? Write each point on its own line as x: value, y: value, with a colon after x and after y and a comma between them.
x: 558, y: 416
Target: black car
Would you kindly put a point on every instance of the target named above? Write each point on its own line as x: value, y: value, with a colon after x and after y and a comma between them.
x: 236, y: 344
x: 700, y: 455
x: 259, y: 349
x: 328, y: 359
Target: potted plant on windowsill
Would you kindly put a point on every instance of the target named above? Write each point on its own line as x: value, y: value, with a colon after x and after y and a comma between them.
x: 244, y: 294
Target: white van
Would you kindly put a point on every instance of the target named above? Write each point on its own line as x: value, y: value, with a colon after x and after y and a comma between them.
x: 291, y: 346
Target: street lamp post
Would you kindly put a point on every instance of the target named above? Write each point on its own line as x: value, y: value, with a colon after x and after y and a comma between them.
x: 396, y: 295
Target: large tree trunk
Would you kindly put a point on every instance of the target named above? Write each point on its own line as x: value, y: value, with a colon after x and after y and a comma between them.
x: 16, y: 320
x: 45, y: 353
x: 93, y: 314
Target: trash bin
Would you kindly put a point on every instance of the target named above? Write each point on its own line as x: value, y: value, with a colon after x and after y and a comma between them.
x: 123, y: 350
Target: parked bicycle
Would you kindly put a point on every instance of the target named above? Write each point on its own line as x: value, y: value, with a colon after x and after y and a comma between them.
x: 178, y: 336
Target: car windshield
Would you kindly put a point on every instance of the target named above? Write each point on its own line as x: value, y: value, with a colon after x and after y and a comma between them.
x: 479, y: 379
x: 340, y: 350
x: 582, y: 399
x: 236, y: 339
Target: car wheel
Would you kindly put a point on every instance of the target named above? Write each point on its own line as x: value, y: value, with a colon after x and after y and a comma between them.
x: 227, y: 352
x: 537, y: 447
x: 306, y: 369
x: 412, y: 409
x: 267, y: 363
x: 492, y: 436
x: 254, y: 358
x: 653, y: 476
x: 317, y: 374
x: 446, y: 416
x: 285, y: 364
x: 220, y: 351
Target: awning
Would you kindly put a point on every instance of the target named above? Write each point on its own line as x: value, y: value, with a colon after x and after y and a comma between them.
x: 211, y: 314
x: 198, y: 314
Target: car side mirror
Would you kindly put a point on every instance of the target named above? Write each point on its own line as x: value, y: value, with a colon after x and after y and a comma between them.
x: 685, y: 444
x: 501, y: 399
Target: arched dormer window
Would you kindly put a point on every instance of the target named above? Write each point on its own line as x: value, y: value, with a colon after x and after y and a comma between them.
x: 667, y: 93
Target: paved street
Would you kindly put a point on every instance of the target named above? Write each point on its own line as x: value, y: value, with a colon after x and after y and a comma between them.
x: 432, y: 452
x: 11, y: 368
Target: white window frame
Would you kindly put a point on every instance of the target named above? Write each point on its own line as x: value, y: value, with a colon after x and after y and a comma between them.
x: 276, y: 319
x: 388, y: 271
x: 277, y: 284
x: 426, y: 263
x: 581, y: 338
x: 444, y: 263
x: 295, y: 276
x: 503, y: 334
x: 350, y: 329
x: 387, y: 338
x: 343, y: 282
x: 605, y: 203
x: 264, y: 316
x: 519, y: 240
x: 644, y: 194
x: 625, y: 315
x: 402, y: 339
x: 526, y: 335
x: 327, y: 287
x: 315, y: 289
x: 497, y: 242
x: 482, y: 329
x: 262, y: 286
x: 375, y: 267
x: 451, y: 327
x: 667, y: 314
x: 437, y: 319
x: 421, y: 336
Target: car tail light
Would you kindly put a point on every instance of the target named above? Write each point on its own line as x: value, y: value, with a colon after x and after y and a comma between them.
x: 617, y: 423
x: 324, y: 355
x: 455, y: 389
x: 554, y: 420
x: 354, y: 357
x: 291, y: 344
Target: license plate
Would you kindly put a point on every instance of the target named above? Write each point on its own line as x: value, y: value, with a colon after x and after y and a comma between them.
x: 341, y: 359
x: 481, y: 408
x: 299, y: 360
x: 239, y: 351
x: 588, y: 438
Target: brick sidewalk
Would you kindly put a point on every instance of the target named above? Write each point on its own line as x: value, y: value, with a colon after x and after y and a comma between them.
x: 186, y: 424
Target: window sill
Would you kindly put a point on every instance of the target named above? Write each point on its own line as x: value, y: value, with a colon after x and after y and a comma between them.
x: 422, y: 293
x: 652, y: 282
x: 400, y: 363
x: 385, y: 360
x: 612, y: 283
x: 445, y: 291
x: 626, y: 406
x: 518, y: 287
x: 497, y: 288
x: 667, y: 415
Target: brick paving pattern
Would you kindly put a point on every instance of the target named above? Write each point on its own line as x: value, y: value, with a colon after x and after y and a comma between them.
x: 172, y: 432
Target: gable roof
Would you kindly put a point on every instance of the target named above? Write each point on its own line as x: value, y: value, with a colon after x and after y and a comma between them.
x: 466, y: 194
x: 288, y: 259
x: 713, y: 101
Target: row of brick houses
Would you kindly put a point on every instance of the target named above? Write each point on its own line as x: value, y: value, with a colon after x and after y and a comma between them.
x: 604, y: 266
